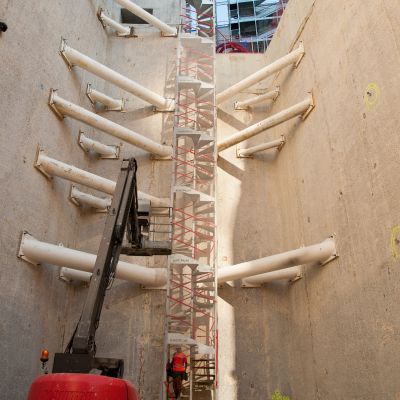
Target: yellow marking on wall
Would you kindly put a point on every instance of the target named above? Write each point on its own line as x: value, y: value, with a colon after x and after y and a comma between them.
x: 395, y: 242
x: 372, y: 95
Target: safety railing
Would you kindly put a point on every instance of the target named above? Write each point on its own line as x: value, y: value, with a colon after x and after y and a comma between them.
x: 191, y: 290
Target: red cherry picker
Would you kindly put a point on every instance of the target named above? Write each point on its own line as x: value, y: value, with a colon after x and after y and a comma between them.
x: 77, y: 372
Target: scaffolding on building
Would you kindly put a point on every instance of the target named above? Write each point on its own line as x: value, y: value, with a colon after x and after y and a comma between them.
x: 191, y: 317
x: 250, y: 24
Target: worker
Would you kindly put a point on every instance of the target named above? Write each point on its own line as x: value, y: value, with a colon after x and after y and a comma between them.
x: 178, y: 366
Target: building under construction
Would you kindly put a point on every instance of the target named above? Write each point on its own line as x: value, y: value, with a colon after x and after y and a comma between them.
x: 251, y: 24
x: 266, y: 193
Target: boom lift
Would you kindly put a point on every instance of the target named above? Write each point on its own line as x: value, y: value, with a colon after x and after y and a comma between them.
x: 73, y: 371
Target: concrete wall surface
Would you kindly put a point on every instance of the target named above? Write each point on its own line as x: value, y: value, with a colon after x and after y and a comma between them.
x: 335, y: 333
x: 39, y: 310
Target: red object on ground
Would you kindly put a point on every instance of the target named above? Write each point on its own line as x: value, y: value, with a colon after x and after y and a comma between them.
x: 231, y: 47
x: 81, y: 387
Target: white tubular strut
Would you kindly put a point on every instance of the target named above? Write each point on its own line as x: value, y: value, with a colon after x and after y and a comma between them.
x: 97, y: 97
x: 105, y: 151
x: 321, y: 252
x: 37, y: 252
x: 74, y: 57
x: 52, y: 167
x: 80, y: 198
x: 303, y: 108
x: 293, y: 57
x: 69, y: 274
x: 119, y: 28
x: 64, y: 108
x: 165, y: 29
x: 290, y: 274
x: 245, y: 104
x: 278, y: 143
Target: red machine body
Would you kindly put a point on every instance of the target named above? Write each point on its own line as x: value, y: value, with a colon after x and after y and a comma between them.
x: 81, y: 387
x: 231, y: 47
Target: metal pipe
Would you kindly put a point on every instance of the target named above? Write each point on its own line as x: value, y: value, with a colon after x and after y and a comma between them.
x: 303, y: 108
x: 165, y: 29
x: 321, y: 252
x: 80, y: 198
x: 50, y: 166
x: 107, y: 21
x: 293, y: 57
x: 74, y: 57
x: 278, y: 143
x: 97, y: 97
x: 104, y: 150
x: 64, y: 108
x: 243, y: 105
x: 34, y: 251
x: 154, y: 201
x: 290, y: 274
x: 69, y: 274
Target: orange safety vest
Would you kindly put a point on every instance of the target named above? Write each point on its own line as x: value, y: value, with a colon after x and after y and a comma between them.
x: 178, y: 362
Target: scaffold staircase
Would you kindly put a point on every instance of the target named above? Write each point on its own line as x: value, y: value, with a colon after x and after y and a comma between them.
x: 191, y: 317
